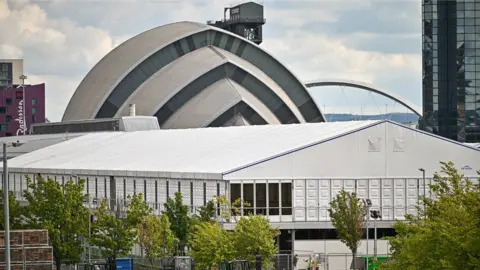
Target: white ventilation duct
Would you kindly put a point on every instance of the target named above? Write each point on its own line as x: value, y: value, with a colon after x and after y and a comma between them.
x: 132, y: 110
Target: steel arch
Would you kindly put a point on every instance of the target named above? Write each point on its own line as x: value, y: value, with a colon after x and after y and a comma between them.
x: 364, y: 86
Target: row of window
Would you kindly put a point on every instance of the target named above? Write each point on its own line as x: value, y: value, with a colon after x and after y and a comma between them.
x: 4, y: 67
x: 102, y: 185
x: 332, y: 234
x: 279, y: 196
x: 9, y: 101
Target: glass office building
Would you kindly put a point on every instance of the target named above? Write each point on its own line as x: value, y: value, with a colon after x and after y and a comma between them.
x: 451, y: 69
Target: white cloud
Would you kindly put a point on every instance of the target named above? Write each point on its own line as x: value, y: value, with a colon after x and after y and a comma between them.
x: 57, y: 52
x: 320, y: 56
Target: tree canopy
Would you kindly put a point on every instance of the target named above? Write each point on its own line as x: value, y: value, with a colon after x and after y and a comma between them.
x: 15, y: 212
x: 155, y: 237
x: 253, y: 236
x: 446, y: 232
x: 61, y: 211
x: 347, y: 213
x: 114, y: 232
x: 211, y: 245
x: 177, y: 213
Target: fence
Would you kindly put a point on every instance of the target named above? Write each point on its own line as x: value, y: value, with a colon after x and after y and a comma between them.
x: 332, y: 261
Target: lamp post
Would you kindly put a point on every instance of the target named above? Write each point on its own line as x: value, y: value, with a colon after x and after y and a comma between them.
x: 6, y: 196
x: 424, y: 185
x: 375, y: 214
x: 368, y: 204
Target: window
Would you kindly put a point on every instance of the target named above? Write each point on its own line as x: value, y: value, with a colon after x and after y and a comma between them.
x: 34, y: 101
x: 248, y: 199
x: 34, y: 118
x: 3, y: 110
x: 34, y: 110
x: 8, y: 101
x: 4, y: 67
x: 273, y: 201
x: 156, y: 194
x: 19, y: 95
x: 191, y: 197
x: 8, y: 134
x: 261, y: 198
x: 3, y: 127
x: 286, y: 198
x: 8, y: 118
x: 235, y: 193
x: 144, y: 190
x: 204, y: 193
x: 168, y: 192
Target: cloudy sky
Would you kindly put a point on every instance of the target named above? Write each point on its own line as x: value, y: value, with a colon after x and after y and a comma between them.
x: 372, y: 41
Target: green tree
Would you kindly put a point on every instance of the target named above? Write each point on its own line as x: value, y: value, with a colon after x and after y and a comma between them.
x: 114, y: 232
x: 211, y: 245
x: 446, y: 232
x: 347, y: 213
x: 61, y: 211
x: 155, y: 237
x: 207, y: 213
x: 230, y: 210
x: 15, y: 212
x: 177, y: 213
x: 253, y: 236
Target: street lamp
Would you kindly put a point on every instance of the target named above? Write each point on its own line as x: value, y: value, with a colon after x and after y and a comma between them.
x: 424, y: 185
x: 375, y: 214
x: 368, y: 204
x: 6, y: 201
x: 91, y: 219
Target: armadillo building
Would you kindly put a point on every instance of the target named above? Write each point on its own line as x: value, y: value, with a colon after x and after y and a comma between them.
x: 189, y: 75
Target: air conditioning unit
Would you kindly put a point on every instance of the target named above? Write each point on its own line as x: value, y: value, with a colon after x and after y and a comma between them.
x: 183, y: 263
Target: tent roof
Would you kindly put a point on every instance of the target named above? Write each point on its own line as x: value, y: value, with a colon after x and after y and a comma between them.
x: 206, y: 150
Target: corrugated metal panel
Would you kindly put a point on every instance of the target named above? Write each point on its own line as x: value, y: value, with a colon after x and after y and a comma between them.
x: 208, y: 150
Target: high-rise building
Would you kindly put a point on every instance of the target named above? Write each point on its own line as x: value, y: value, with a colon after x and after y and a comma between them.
x: 451, y: 69
x: 11, y: 71
x: 20, y: 107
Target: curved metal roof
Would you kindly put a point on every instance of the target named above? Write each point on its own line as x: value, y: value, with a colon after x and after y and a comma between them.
x: 364, y: 86
x: 115, y: 80
x: 212, y: 102
x: 179, y: 74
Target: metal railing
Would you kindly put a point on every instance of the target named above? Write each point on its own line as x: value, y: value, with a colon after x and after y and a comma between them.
x: 333, y: 261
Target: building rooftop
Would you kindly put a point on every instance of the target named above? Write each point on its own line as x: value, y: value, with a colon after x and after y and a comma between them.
x: 206, y: 150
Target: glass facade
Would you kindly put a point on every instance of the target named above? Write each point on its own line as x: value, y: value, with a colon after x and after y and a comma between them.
x: 451, y: 68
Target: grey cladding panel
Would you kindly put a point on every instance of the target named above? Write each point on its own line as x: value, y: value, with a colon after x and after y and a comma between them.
x: 240, y: 76
x: 240, y: 108
x: 185, y: 47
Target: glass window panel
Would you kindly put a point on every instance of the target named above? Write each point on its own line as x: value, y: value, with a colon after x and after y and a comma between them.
x: 261, y: 198
x: 286, y: 198
x: 235, y: 193
x: 469, y: 98
x: 273, y: 199
x: 248, y: 199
